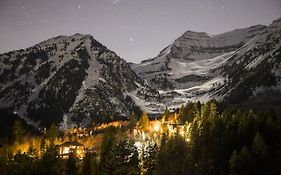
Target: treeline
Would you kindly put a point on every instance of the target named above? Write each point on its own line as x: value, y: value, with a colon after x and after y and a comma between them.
x: 230, y: 141
x: 6, y: 126
x: 222, y: 141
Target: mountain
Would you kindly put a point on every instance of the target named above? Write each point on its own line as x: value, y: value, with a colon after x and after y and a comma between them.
x: 71, y: 79
x: 240, y: 66
x: 75, y: 79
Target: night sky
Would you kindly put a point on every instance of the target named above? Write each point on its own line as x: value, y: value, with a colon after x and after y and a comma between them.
x: 134, y: 29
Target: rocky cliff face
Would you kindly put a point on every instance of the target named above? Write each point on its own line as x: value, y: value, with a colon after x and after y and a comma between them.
x: 233, y: 66
x: 75, y: 79
x: 71, y: 79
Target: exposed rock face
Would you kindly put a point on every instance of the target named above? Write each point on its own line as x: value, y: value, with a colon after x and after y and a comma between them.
x: 75, y: 79
x: 71, y: 78
x: 233, y: 66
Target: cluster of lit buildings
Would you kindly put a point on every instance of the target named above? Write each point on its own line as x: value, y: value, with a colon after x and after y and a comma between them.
x: 153, y: 132
x: 67, y: 148
x: 169, y: 126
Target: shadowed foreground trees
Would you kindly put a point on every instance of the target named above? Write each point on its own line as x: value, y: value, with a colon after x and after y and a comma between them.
x: 222, y: 141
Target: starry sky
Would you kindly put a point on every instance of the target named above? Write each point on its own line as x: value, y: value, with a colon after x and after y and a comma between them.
x: 134, y: 29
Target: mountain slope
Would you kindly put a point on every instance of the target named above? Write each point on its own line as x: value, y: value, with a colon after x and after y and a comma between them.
x: 71, y: 78
x: 187, y: 54
x: 230, y: 66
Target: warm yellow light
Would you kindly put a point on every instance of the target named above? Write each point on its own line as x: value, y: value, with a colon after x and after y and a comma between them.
x: 66, y: 150
x: 143, y: 135
x: 156, y: 126
x: 182, y: 132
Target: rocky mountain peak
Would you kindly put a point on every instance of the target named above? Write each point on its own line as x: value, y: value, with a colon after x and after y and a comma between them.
x: 71, y: 79
x: 276, y: 24
x: 233, y: 66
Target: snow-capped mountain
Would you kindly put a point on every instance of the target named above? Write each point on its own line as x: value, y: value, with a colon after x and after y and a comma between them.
x: 233, y: 66
x: 75, y: 79
x: 71, y: 79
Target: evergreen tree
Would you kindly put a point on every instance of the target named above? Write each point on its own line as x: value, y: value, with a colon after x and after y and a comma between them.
x: 242, y: 162
x: 150, y: 158
x: 107, y: 160
x: 18, y: 132
x: 234, y: 162
x: 172, y: 157
x: 3, y: 164
x: 52, y: 133
x: 90, y: 164
x: 182, y: 115
x: 213, y: 110
x: 133, y: 120
x: 205, y: 110
x: 166, y: 114
x: 126, y: 157
x: 260, y: 153
x: 32, y: 152
x: 42, y: 146
x: 259, y: 146
x: 22, y: 164
x: 50, y: 163
x: 72, y: 165
x: 143, y: 121
x: 190, y: 111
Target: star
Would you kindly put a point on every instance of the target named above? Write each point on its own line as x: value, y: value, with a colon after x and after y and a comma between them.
x: 115, y: 1
x: 131, y: 40
x: 45, y: 21
x: 79, y: 6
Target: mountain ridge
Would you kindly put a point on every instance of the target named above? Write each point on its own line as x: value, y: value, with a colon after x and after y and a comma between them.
x: 195, y: 65
x: 75, y: 79
x: 70, y: 79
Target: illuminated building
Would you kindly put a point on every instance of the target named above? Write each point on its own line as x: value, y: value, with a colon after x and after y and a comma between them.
x: 71, y: 147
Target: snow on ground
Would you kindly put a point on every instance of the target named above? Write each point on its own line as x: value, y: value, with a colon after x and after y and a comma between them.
x: 148, y: 106
x: 255, y: 62
x: 201, y: 92
x: 201, y: 67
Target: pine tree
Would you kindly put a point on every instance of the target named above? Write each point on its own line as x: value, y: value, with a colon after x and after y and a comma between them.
x: 18, y: 132
x: 260, y: 153
x: 126, y: 157
x: 234, y: 162
x: 150, y: 158
x: 52, y: 133
x: 72, y: 165
x: 240, y: 163
x: 213, y: 110
x: 173, y: 150
x: 133, y: 120
x: 205, y: 110
x: 166, y: 114
x: 107, y: 160
x: 143, y: 121
x: 90, y: 164
x: 50, y: 163
x: 182, y: 115
x: 259, y: 146
x: 190, y: 111
x: 22, y: 164
x: 32, y: 152
x: 42, y: 146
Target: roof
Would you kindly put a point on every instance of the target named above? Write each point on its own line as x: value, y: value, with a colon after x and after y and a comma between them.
x: 71, y: 143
